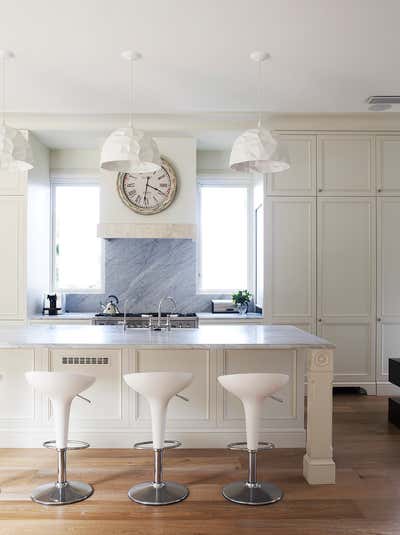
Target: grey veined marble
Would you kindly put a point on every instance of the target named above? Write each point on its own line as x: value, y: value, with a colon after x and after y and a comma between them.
x: 143, y: 271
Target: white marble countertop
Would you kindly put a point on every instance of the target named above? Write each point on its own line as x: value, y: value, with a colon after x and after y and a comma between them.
x: 64, y: 316
x: 229, y: 316
x: 246, y: 336
x: 202, y: 316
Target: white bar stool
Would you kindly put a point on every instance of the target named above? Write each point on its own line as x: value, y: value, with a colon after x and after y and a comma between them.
x: 158, y: 388
x: 252, y: 389
x: 61, y: 388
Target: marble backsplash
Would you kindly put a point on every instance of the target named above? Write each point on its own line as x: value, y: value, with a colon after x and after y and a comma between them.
x: 143, y: 271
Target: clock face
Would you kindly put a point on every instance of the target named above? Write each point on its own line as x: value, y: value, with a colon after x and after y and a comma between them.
x: 148, y: 193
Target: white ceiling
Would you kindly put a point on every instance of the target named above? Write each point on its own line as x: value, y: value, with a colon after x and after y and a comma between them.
x: 327, y: 55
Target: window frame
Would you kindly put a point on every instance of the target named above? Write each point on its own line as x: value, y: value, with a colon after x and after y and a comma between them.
x: 220, y: 180
x: 75, y: 181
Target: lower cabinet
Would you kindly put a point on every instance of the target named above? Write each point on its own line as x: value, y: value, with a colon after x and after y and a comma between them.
x: 277, y: 415
x: 118, y: 417
x: 106, y: 394
x: 200, y: 410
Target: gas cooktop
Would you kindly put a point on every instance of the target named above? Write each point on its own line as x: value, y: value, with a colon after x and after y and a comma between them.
x: 147, y: 314
x: 135, y: 319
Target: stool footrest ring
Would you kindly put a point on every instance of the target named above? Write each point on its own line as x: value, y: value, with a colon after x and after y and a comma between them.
x: 71, y: 444
x: 148, y: 445
x: 242, y: 446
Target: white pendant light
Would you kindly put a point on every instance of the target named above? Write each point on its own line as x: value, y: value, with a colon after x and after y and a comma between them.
x: 129, y: 150
x: 257, y: 150
x: 15, y: 151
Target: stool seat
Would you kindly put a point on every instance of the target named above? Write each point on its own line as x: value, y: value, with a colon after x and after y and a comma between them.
x: 61, y: 388
x: 253, y: 385
x: 59, y: 385
x: 158, y: 388
x: 252, y: 389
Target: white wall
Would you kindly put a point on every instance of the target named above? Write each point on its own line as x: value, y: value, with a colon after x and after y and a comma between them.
x: 38, y: 231
x: 181, y: 152
x: 74, y: 159
x: 212, y: 160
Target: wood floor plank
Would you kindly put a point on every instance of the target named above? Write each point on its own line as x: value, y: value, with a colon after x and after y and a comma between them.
x: 363, y: 502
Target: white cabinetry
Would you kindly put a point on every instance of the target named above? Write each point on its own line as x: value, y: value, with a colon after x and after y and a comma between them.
x: 321, y: 250
x: 13, y: 257
x: 346, y: 164
x: 388, y: 304
x: 388, y: 165
x: 300, y: 178
x: 346, y: 285
x: 290, y: 261
x: 118, y: 417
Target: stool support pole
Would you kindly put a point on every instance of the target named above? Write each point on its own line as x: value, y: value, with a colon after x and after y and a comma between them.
x: 158, y: 454
x: 61, y: 466
x: 252, y: 478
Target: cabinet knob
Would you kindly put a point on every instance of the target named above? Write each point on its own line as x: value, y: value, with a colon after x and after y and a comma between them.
x: 320, y: 320
x: 320, y: 190
x: 379, y: 189
x: 379, y: 319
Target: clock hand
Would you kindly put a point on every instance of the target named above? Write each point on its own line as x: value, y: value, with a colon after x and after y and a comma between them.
x: 162, y: 193
x: 145, y: 191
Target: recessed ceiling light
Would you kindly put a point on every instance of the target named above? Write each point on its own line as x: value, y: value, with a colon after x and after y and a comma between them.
x: 379, y: 107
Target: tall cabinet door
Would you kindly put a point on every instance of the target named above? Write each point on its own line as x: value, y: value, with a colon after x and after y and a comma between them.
x: 300, y: 178
x: 346, y: 285
x: 290, y: 231
x: 12, y: 253
x: 388, y: 165
x: 346, y: 165
x: 388, y: 301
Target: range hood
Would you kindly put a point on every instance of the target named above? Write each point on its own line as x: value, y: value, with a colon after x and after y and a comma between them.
x: 147, y: 230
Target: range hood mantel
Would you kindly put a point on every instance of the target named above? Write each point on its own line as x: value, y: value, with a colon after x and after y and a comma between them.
x: 147, y: 230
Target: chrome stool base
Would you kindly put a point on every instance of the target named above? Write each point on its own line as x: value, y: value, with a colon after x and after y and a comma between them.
x: 252, y: 494
x: 163, y: 493
x: 62, y: 493
x: 158, y: 492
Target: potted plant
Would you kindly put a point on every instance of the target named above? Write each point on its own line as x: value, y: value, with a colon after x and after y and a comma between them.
x: 242, y: 299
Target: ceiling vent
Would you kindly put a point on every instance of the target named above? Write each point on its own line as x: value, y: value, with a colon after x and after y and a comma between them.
x: 393, y: 99
x: 382, y: 102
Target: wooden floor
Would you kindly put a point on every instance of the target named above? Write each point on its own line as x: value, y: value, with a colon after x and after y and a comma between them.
x: 365, y: 500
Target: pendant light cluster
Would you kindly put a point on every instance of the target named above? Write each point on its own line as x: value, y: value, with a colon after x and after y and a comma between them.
x: 15, y: 151
x: 126, y: 149
x: 257, y: 150
x: 133, y: 151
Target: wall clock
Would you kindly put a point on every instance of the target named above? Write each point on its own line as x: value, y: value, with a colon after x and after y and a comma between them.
x: 148, y: 193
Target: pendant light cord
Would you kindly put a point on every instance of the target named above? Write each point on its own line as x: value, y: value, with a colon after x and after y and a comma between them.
x: 259, y: 96
x: 131, y: 93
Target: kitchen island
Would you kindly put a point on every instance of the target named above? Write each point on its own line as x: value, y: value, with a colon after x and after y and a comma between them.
x: 118, y: 417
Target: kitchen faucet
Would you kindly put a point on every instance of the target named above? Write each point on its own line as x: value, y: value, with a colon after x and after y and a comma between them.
x: 168, y: 298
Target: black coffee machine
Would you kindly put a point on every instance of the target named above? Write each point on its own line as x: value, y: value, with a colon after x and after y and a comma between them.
x: 50, y: 304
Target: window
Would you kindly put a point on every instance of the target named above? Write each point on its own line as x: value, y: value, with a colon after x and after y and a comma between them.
x: 225, y: 243
x: 77, y: 253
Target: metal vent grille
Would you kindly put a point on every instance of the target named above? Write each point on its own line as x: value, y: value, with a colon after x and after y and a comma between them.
x: 85, y: 360
x: 382, y: 99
